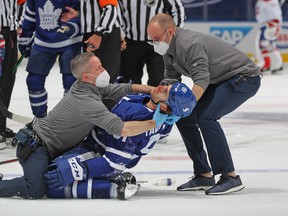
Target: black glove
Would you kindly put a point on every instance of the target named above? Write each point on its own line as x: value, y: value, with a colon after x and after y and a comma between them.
x: 25, y: 45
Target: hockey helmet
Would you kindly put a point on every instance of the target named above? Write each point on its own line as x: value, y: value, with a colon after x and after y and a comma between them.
x: 181, y: 99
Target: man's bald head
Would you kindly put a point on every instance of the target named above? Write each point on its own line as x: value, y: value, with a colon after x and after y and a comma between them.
x: 162, y: 21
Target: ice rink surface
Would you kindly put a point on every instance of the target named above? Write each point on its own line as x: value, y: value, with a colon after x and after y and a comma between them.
x: 258, y: 136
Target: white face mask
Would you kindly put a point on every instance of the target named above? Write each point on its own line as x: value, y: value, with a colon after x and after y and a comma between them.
x: 102, y: 80
x: 161, y: 47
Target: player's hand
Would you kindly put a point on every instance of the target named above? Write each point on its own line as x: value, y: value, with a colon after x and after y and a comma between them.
x: 25, y: 45
x: 70, y: 14
x: 272, y: 30
x: 64, y: 172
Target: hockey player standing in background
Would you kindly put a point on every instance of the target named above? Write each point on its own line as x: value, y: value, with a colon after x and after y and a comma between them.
x: 269, y: 16
x: 102, y: 157
x: 52, y: 39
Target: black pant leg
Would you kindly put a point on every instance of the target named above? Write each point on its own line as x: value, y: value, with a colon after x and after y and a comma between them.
x: 8, y: 78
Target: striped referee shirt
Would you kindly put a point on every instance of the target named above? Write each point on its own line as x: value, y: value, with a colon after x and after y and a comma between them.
x: 9, y: 14
x: 136, y: 15
x: 99, y: 16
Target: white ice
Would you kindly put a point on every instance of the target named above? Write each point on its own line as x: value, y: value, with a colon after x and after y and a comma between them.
x: 258, y: 136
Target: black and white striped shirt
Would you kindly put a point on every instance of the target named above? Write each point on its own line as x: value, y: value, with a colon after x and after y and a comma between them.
x: 9, y: 14
x: 99, y: 16
x: 136, y: 15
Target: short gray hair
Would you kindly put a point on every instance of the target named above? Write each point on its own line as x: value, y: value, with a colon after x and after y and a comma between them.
x: 80, y: 64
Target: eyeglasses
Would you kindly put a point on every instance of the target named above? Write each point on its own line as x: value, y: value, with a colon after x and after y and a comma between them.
x: 167, y: 82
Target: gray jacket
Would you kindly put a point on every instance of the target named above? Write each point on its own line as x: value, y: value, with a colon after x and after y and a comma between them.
x: 206, y: 59
x: 76, y: 114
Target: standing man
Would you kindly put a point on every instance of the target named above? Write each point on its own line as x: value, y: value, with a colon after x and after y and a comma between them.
x: 136, y: 15
x: 70, y: 122
x: 54, y: 40
x: 269, y: 17
x: 9, y: 28
x: 224, y: 78
x: 100, y: 22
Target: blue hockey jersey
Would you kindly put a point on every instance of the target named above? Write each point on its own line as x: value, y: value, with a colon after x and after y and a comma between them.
x: 42, y: 17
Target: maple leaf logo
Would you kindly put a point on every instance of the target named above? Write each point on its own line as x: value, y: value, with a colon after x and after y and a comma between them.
x: 48, y: 16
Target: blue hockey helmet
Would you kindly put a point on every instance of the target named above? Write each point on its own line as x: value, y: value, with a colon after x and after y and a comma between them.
x: 181, y: 99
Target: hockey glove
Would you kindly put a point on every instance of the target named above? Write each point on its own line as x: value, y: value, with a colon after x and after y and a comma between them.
x: 68, y: 30
x: 2, y: 52
x: 64, y: 172
x: 25, y: 45
x: 272, y: 30
x: 159, y: 117
x: 171, y: 119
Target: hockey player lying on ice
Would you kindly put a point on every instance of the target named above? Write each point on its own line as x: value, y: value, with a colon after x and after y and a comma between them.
x: 95, y: 168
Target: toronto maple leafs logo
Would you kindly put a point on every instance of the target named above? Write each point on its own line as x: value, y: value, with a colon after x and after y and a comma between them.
x: 48, y: 16
x: 149, y: 3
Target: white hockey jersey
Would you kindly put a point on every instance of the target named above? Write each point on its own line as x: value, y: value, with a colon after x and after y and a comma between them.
x: 267, y: 10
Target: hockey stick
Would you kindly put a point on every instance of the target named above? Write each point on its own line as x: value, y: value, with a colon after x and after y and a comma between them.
x: 17, y: 64
x: 13, y: 116
x: 8, y: 161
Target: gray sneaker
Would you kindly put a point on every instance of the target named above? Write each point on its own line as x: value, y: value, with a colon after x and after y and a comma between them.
x: 197, y: 182
x: 226, y: 184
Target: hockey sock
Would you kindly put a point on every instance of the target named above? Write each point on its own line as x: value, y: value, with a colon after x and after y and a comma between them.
x: 37, y: 94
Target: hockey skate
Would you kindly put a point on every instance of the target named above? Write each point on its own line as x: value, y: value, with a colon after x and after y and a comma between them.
x: 6, y: 136
x: 2, y: 143
x: 1, y: 176
x: 275, y: 70
x: 127, y: 186
x: 125, y: 190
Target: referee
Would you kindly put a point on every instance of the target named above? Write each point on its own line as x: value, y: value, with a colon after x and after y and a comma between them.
x: 136, y: 14
x: 9, y: 28
x: 101, y: 27
x: 100, y: 23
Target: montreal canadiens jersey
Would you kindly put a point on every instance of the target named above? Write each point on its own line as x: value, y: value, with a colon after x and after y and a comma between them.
x: 43, y: 17
x: 125, y: 152
x: 267, y: 10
